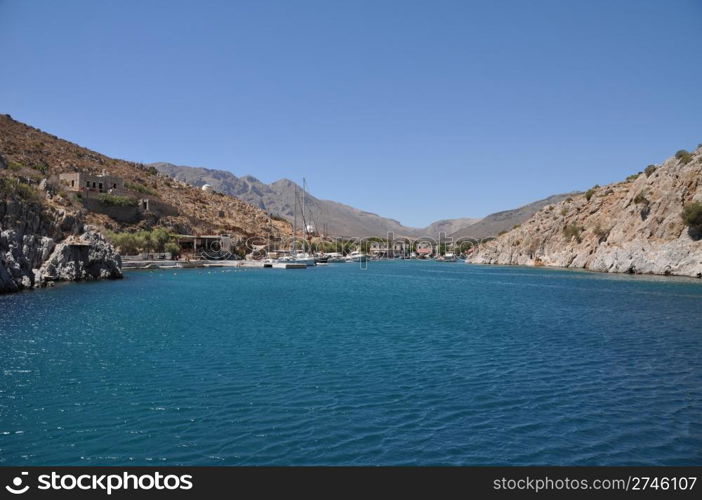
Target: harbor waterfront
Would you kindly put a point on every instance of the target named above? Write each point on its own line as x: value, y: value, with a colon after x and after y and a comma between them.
x: 393, y: 363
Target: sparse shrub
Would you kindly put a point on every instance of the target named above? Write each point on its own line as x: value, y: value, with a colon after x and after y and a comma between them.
x: 692, y: 216
x: 139, y: 188
x: 590, y: 192
x: 26, y: 192
x: 277, y: 217
x: 42, y: 169
x: 13, y: 188
x: 564, y: 211
x: 600, y: 232
x: 633, y: 177
x: 640, y: 199
x: 116, y: 201
x: 572, y: 231
x: 569, y: 199
x: 152, y: 171
x: 650, y: 170
x: 465, y: 246
x: 517, y: 226
x: 14, y: 166
x: 683, y: 156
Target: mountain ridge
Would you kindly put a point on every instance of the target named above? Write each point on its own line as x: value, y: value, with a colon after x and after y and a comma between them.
x: 341, y: 219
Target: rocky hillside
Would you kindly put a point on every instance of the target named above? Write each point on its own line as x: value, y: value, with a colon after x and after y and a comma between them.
x: 447, y: 226
x: 499, y: 222
x: 35, y: 155
x: 48, y: 234
x: 634, y: 226
x: 41, y: 242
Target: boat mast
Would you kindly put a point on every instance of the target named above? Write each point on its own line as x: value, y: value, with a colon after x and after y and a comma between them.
x: 305, y: 234
x: 294, y: 239
x: 304, y: 222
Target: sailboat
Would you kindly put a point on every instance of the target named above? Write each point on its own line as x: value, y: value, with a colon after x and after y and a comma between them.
x: 295, y: 256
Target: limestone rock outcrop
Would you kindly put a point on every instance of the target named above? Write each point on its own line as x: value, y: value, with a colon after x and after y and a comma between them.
x: 628, y: 227
x: 39, y: 246
x: 85, y: 257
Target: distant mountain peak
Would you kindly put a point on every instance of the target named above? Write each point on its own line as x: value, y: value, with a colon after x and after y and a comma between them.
x: 284, y: 182
x: 334, y: 218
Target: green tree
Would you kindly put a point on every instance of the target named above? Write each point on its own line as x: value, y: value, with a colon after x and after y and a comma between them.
x: 159, y: 237
x: 173, y: 248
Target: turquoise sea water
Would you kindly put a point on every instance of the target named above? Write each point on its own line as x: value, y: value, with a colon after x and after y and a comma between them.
x: 403, y: 363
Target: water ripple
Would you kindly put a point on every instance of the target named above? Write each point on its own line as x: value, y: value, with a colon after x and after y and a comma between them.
x: 405, y: 363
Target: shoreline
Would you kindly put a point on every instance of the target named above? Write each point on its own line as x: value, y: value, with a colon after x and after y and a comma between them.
x: 662, y: 277
x: 145, y: 265
x: 162, y: 265
x: 158, y: 265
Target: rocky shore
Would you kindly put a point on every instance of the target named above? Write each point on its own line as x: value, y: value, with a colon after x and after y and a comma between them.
x: 629, y: 227
x: 39, y: 246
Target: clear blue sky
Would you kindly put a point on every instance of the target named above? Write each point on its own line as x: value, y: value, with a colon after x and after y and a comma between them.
x: 417, y: 110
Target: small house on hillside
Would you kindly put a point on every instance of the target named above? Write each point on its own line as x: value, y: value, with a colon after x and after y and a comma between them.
x: 80, y: 181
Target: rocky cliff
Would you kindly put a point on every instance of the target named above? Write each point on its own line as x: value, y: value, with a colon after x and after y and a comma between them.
x: 40, y: 243
x: 634, y: 226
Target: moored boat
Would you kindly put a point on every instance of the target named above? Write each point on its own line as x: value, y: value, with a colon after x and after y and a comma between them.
x: 356, y: 256
x: 299, y: 258
x: 335, y: 258
x: 447, y: 257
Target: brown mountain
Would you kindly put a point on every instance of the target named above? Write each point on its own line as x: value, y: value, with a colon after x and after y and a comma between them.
x: 175, y: 205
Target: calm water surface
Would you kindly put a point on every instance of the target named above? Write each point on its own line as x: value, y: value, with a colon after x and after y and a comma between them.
x: 403, y: 363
